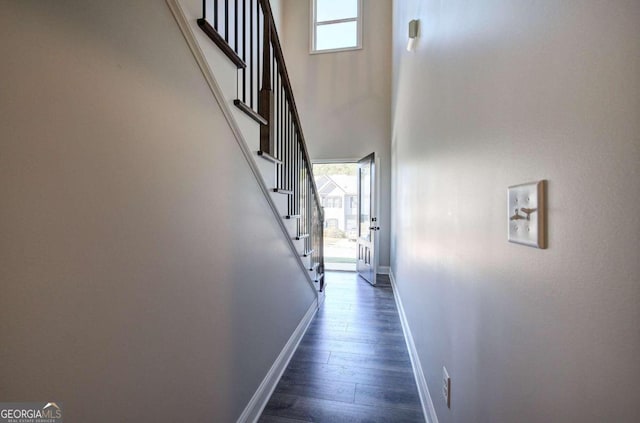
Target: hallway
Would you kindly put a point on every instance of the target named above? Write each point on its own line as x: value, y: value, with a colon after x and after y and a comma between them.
x: 352, y: 364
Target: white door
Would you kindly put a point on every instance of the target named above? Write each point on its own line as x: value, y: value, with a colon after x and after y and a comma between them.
x: 367, y: 220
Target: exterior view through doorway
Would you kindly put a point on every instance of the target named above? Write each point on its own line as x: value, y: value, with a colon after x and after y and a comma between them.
x: 337, y: 184
x: 348, y: 192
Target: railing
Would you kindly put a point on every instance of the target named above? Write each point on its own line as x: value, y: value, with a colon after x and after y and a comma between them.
x: 245, y: 31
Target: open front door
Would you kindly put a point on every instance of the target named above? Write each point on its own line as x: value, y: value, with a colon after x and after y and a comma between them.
x: 367, y: 219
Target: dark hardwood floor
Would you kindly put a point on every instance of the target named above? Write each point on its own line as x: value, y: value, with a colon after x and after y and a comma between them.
x: 352, y: 364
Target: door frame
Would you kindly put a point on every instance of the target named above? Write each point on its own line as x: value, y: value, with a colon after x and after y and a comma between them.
x: 370, y: 275
x: 352, y: 160
x: 337, y: 161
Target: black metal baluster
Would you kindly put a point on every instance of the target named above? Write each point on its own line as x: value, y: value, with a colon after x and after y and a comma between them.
x: 294, y: 161
x: 306, y: 206
x: 226, y: 20
x: 259, y: 45
x: 251, y: 70
x: 289, y: 143
x: 282, y: 146
x: 279, y: 124
x: 299, y: 171
x: 307, y: 200
x: 299, y: 189
x: 296, y: 171
x: 285, y: 146
x: 300, y: 198
x: 235, y: 25
x: 298, y: 184
x: 276, y: 146
x: 290, y: 158
x: 258, y: 48
x: 285, y: 158
x: 215, y: 14
x: 244, y: 50
x: 285, y: 128
x: 308, y: 203
x: 279, y: 119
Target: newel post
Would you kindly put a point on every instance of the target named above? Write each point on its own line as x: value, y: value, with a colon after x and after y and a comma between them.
x: 266, y: 99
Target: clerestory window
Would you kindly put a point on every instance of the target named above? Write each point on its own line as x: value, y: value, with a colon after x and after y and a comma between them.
x: 336, y: 25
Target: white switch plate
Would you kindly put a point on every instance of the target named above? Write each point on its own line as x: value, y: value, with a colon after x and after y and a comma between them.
x: 526, y: 214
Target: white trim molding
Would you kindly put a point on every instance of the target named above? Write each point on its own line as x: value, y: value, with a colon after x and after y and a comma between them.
x: 384, y: 270
x: 253, y: 410
x: 428, y: 409
x: 314, y: 23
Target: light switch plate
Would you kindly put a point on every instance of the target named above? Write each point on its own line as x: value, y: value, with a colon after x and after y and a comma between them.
x: 527, y: 215
x: 446, y: 386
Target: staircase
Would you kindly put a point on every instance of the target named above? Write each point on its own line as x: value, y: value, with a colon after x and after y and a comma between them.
x: 236, y: 44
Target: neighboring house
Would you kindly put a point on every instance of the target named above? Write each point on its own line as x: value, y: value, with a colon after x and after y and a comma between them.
x: 339, y: 194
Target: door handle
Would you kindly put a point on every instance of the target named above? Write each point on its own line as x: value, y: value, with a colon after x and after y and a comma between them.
x: 374, y: 228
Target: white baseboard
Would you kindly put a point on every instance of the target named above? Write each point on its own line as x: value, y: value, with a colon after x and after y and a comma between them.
x: 253, y: 410
x: 423, y: 390
x: 383, y: 270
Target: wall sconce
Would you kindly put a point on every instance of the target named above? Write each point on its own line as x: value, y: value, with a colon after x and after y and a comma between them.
x: 414, y: 27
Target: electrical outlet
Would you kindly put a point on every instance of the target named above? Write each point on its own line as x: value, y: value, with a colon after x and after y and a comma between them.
x: 446, y: 386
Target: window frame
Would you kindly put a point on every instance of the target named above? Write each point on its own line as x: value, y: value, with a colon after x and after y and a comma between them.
x: 313, y: 24
x: 333, y: 202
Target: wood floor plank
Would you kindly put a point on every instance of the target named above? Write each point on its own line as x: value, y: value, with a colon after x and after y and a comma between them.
x: 352, y: 365
x: 388, y: 330
x: 375, y: 325
x: 319, y: 388
x: 369, y: 376
x: 351, y: 320
x: 393, y: 351
x: 265, y: 418
x: 372, y: 337
x: 369, y: 361
x: 336, y: 325
x: 311, y: 356
x: 388, y: 396
x: 323, y: 411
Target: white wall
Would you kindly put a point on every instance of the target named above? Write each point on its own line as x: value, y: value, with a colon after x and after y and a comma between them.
x: 276, y: 9
x: 344, y: 98
x: 499, y: 93
x: 143, y: 276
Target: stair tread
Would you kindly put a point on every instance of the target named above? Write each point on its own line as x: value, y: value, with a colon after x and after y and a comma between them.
x: 250, y: 112
x: 221, y: 43
x: 269, y: 157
